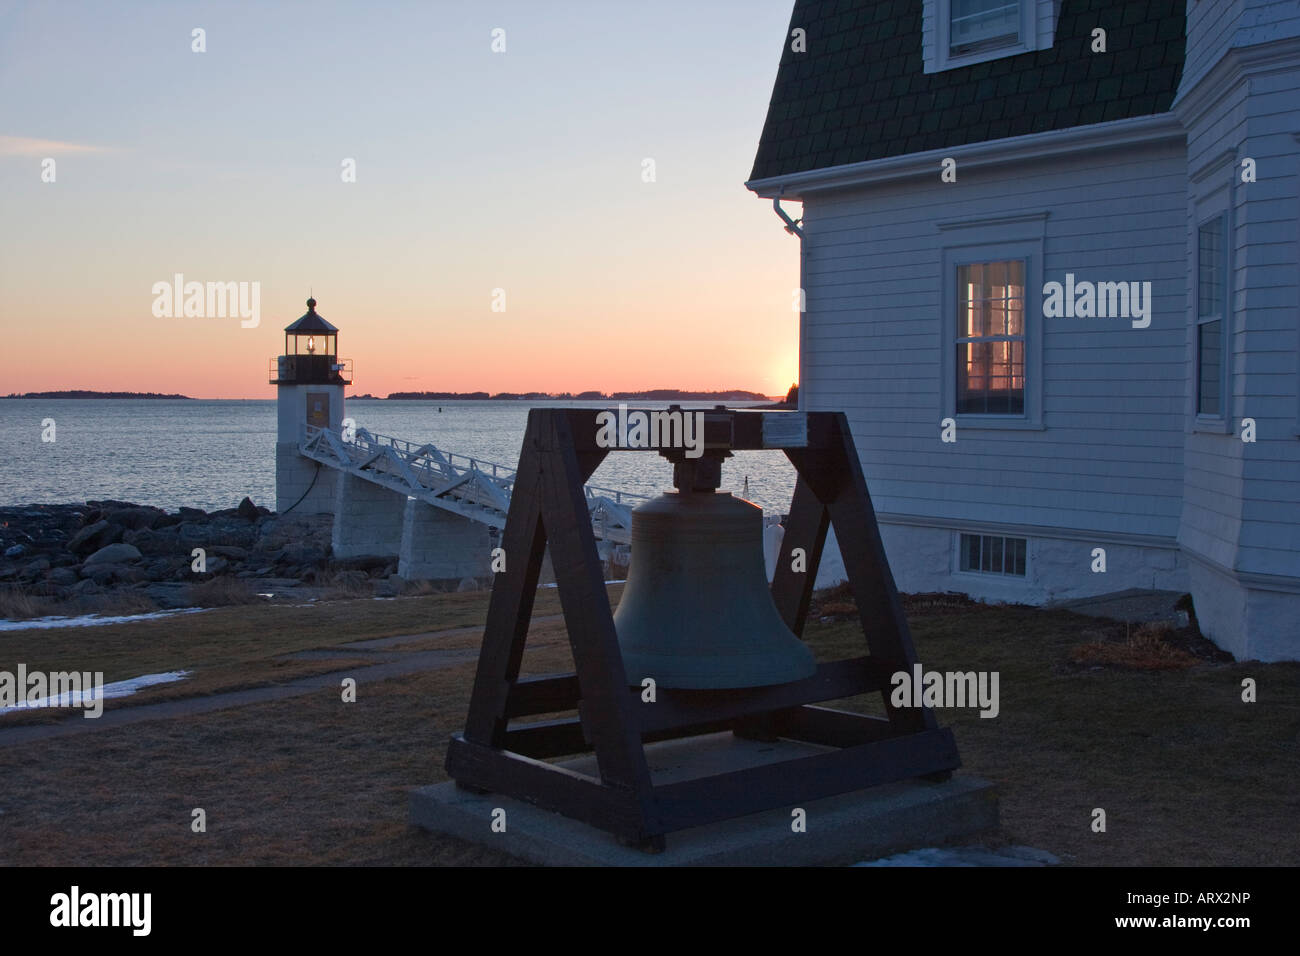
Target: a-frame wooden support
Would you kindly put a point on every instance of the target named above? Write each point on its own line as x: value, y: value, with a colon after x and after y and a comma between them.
x: 548, y: 507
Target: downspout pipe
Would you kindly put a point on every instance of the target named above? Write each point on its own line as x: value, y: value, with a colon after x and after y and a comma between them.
x: 791, y: 225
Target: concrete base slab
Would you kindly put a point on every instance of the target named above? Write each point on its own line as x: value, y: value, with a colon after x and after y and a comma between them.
x: 843, y: 829
x: 1133, y: 604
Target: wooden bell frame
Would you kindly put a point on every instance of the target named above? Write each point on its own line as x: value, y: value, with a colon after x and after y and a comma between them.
x: 548, y: 507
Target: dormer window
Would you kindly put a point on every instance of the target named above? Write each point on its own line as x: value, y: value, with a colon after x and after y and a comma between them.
x: 961, y: 32
x: 978, y: 25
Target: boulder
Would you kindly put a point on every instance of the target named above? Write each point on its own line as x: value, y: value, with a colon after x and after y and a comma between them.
x: 304, y: 553
x: 93, y: 537
x: 295, y: 529
x: 230, y: 532
x: 168, y: 596
x: 155, y: 541
x: 115, y: 554
x: 103, y: 574
x: 134, y: 518
x: 192, y: 514
x: 161, y: 568
x: 85, y: 588
x: 216, y: 565
x: 14, y: 551
x: 62, y: 577
x: 229, y: 552
x: 247, y: 509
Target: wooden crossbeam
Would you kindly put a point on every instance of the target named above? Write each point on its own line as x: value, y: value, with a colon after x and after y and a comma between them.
x: 548, y: 509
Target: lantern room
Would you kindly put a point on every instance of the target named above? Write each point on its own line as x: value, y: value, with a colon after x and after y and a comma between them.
x: 311, y: 353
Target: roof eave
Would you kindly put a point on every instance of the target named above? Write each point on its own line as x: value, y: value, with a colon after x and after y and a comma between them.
x: 1116, y: 134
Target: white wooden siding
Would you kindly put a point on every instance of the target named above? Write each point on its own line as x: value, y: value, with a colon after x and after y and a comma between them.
x: 1110, y: 455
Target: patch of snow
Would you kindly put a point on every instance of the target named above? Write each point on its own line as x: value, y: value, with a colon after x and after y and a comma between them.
x: 554, y: 585
x: 91, y: 620
x: 120, y: 688
x: 968, y: 856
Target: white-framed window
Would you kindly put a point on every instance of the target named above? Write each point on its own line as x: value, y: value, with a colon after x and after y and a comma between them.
x: 990, y: 344
x: 991, y: 327
x: 959, y: 33
x: 992, y: 554
x: 1211, y: 317
x: 978, y: 25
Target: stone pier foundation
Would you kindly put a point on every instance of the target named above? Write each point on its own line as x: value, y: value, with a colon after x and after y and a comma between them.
x: 367, y: 519
x: 439, y: 545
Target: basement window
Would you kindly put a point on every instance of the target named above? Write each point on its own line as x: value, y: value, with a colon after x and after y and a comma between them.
x: 993, y: 554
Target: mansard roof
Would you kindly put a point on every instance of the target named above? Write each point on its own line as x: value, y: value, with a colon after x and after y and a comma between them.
x: 860, y: 91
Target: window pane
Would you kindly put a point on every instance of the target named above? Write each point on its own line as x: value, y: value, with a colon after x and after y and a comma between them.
x: 1016, y: 272
x: 1015, y: 316
x: 982, y: 24
x: 993, y: 554
x: 991, y: 378
x: 996, y: 275
x: 991, y: 308
x: 1210, y: 259
x: 1209, y: 365
x: 1016, y: 297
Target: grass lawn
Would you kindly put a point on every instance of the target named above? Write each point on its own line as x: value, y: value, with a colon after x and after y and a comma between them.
x: 1186, y: 772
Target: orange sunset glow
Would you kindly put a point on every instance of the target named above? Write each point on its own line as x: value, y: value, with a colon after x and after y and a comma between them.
x: 472, y: 174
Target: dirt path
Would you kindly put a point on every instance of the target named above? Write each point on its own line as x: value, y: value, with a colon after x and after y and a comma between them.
x: 390, y: 661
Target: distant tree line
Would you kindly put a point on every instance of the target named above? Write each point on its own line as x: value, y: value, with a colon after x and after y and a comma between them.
x: 652, y: 395
x: 84, y: 393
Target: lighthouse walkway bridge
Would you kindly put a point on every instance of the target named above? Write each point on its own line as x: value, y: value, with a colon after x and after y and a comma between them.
x: 470, y: 487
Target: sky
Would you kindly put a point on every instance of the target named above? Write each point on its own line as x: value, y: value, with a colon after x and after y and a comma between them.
x: 522, y: 170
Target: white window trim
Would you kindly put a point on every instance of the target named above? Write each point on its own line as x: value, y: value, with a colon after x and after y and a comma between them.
x: 1296, y: 167
x: 988, y: 577
x: 1015, y: 238
x: 1215, y: 421
x: 1036, y: 33
x: 1212, y: 201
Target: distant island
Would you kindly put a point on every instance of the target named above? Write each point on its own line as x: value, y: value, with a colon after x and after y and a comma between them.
x: 651, y: 395
x: 82, y: 393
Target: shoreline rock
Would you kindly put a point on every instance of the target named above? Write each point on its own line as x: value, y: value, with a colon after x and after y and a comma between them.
x: 54, y: 553
x: 109, y: 556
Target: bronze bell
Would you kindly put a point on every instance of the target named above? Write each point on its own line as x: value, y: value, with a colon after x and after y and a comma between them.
x: 696, y: 610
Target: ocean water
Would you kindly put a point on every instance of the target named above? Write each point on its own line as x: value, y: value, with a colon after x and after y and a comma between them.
x: 210, y: 454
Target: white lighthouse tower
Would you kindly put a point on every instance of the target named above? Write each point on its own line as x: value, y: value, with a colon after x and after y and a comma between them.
x: 309, y: 380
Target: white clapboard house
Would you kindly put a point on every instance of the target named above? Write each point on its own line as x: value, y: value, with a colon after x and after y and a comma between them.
x: 1050, y: 259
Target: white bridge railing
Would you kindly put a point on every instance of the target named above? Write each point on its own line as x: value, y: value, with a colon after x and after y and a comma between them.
x: 473, y: 488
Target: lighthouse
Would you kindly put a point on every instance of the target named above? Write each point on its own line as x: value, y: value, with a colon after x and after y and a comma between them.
x: 309, y: 380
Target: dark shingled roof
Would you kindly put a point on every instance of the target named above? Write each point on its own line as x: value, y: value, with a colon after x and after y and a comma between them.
x: 310, y: 322
x: 860, y: 91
